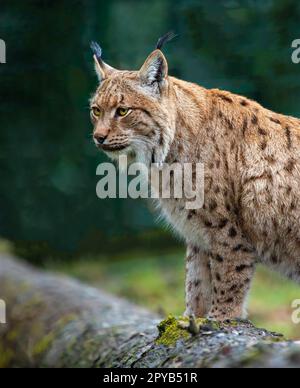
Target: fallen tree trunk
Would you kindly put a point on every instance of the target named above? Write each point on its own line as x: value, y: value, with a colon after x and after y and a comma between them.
x: 53, y: 321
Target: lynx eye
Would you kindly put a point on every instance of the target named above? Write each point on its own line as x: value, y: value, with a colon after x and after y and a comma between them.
x: 122, y: 112
x: 96, y: 111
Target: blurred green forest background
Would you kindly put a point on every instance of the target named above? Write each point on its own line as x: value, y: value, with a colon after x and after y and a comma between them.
x: 49, y: 212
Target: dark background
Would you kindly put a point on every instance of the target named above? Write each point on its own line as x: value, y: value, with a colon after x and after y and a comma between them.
x: 47, y: 159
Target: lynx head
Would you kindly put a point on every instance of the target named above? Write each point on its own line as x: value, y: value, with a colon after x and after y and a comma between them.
x: 132, y: 110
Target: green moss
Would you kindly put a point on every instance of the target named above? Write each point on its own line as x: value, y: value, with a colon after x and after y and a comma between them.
x: 232, y: 323
x: 172, y: 329
x: 65, y: 320
x: 170, y: 332
x: 46, y: 341
x: 251, y: 356
x: 6, y: 355
x: 43, y: 345
x: 275, y: 339
x: 12, y: 335
x: 213, y: 325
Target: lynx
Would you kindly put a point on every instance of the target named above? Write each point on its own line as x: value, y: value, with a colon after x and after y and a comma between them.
x: 251, y: 212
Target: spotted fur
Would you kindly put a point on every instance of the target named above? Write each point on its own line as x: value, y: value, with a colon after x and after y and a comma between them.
x: 251, y: 155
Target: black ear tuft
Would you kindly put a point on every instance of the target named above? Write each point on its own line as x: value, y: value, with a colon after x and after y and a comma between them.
x: 165, y: 39
x: 97, y: 50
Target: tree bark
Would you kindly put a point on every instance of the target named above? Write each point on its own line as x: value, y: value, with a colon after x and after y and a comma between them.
x: 54, y: 321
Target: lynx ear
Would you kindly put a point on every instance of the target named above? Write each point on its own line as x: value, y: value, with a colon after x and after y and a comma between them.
x: 155, y: 70
x: 102, y: 69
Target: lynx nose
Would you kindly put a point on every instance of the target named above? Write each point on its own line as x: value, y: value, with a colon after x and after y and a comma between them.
x: 99, y: 139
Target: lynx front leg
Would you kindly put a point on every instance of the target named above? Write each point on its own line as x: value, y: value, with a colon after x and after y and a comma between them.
x: 198, y: 283
x: 232, y: 269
